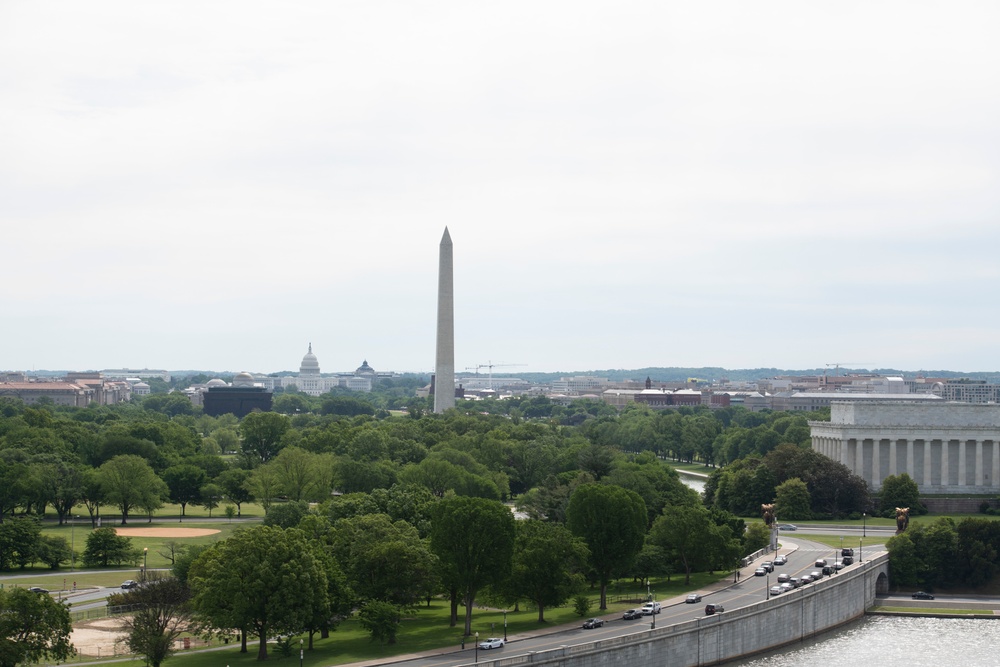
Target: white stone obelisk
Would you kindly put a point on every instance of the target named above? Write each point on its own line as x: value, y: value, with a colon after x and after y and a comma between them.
x: 444, y: 366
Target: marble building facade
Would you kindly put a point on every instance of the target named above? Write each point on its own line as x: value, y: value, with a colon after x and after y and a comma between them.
x: 947, y: 448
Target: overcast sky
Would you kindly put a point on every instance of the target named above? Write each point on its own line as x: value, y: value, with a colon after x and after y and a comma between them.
x: 215, y: 185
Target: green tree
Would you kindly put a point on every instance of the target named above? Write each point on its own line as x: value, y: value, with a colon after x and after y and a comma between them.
x: 20, y: 539
x: 262, y: 433
x: 264, y: 484
x: 128, y: 481
x: 285, y: 515
x: 210, y: 494
x: 381, y: 620
x: 900, y: 491
x: 54, y: 550
x: 185, y: 481
x: 247, y: 581
x: 33, y: 628
x: 233, y: 483
x: 612, y: 522
x: 385, y: 559
x: 689, y: 534
x: 792, y: 500
x: 106, y: 547
x: 548, y: 565
x: 474, y: 540
x: 162, y: 614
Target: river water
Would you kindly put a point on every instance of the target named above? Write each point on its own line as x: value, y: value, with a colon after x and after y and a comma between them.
x: 894, y: 641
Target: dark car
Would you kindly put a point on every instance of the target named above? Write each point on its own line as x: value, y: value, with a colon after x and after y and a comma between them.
x: 922, y: 595
x: 632, y: 614
x: 593, y: 623
x: 713, y: 609
x: 847, y: 560
x: 768, y: 565
x: 129, y: 584
x: 36, y: 589
x: 784, y: 577
x: 828, y: 570
x: 693, y: 598
x: 847, y: 552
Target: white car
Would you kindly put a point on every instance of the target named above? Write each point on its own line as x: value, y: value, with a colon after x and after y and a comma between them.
x: 777, y: 590
x: 492, y: 642
x: 650, y: 608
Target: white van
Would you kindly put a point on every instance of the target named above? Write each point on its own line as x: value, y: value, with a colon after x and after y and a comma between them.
x: 650, y: 608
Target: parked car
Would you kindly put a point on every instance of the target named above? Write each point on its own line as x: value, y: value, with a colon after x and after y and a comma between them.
x: 806, y: 579
x: 768, y: 565
x: 492, y: 642
x: 651, y: 608
x: 593, y: 623
x: 837, y: 565
x: 713, y: 609
x: 788, y: 526
x: 129, y: 584
x: 759, y: 572
x: 828, y: 570
x: 632, y: 614
x: 693, y: 598
x: 788, y: 587
x: 776, y: 590
x: 922, y: 595
x: 36, y: 589
x: 780, y: 560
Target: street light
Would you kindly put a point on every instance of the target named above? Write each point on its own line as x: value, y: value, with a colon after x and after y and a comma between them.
x: 301, y: 653
x: 505, y: 625
x: 767, y: 586
x: 864, y: 524
x: 477, y: 647
x: 144, y: 551
x: 861, y: 558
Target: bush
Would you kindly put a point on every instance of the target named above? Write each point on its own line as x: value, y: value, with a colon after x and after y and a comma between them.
x: 105, y: 547
x: 581, y: 605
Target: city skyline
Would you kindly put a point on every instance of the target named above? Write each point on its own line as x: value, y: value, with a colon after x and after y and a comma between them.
x: 627, y: 186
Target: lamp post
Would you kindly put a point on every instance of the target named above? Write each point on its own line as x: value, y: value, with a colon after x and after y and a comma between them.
x: 144, y: 551
x: 301, y: 652
x: 477, y: 647
x: 767, y: 586
x: 652, y: 626
x: 505, y: 625
x: 864, y: 524
x: 72, y: 542
x: 861, y: 558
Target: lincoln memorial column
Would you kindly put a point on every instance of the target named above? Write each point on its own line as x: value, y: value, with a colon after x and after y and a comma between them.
x: 962, y: 446
x: 995, y: 480
x: 876, y: 477
x: 979, y: 462
x: 909, y: 459
x: 927, y: 462
x: 893, y: 444
x: 945, y: 474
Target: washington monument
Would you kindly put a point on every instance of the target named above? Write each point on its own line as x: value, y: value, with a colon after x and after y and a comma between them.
x: 444, y: 366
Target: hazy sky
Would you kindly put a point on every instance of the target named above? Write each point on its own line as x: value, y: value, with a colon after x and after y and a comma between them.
x: 215, y: 185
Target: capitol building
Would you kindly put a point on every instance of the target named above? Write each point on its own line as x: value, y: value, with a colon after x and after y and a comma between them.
x: 310, y: 381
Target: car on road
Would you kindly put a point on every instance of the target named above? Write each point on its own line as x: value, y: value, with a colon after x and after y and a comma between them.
x: 759, y: 572
x: 788, y: 587
x: 820, y: 563
x: 593, y: 623
x: 788, y: 526
x: 847, y: 552
x: 816, y: 575
x: 651, y: 608
x: 784, y: 578
x: 922, y: 595
x: 847, y: 560
x: 492, y: 642
x: 713, y: 609
x: 780, y: 560
x: 795, y: 582
x: 36, y: 589
x: 129, y: 584
x: 692, y: 598
x: 806, y: 579
x: 777, y: 590
x: 768, y: 565
x: 632, y: 614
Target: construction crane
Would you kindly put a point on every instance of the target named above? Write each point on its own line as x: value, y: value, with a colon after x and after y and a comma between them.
x: 490, y: 366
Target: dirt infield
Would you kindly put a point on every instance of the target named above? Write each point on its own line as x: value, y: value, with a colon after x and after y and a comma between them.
x: 166, y: 532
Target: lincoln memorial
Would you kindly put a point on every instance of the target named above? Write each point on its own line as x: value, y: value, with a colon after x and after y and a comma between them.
x: 944, y: 447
